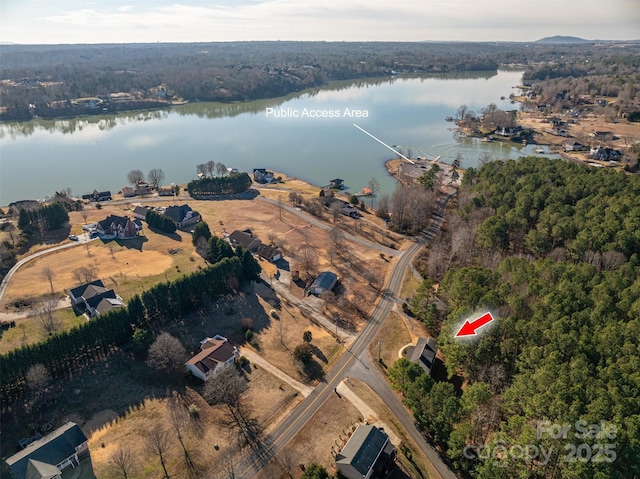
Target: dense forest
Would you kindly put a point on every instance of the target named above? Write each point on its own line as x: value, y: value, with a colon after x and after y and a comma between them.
x: 68, y: 80
x: 553, y: 250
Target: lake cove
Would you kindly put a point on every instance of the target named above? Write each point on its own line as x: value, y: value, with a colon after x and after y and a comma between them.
x: 39, y: 157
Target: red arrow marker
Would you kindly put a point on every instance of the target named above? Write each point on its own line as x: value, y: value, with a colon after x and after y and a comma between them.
x: 469, y: 328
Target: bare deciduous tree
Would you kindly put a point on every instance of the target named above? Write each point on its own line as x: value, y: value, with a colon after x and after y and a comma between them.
x: 227, y: 390
x: 85, y: 274
x: 210, y: 167
x: 307, y: 258
x: 166, y: 353
x: 336, y: 239
x: 85, y: 214
x: 155, y: 177
x: 287, y: 460
x: 383, y: 207
x: 336, y: 210
x: 201, y: 169
x: 158, y: 443
x: 121, y: 463
x: 221, y: 169
x: 44, y: 311
x: 374, y: 186
x: 48, y: 274
x: 38, y: 378
x: 612, y: 260
x: 135, y: 177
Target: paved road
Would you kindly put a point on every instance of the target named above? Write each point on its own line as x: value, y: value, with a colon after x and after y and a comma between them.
x: 356, y: 362
x: 5, y: 282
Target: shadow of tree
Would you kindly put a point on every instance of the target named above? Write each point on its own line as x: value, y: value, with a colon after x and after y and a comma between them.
x: 318, y: 354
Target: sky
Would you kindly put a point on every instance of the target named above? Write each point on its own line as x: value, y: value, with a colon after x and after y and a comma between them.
x: 134, y: 21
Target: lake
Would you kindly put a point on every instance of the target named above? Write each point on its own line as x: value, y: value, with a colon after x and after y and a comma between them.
x: 287, y: 134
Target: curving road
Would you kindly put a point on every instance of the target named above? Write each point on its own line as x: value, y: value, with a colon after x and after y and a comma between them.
x: 356, y: 363
x: 84, y: 238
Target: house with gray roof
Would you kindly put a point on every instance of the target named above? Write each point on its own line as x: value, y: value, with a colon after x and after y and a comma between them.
x: 46, y: 458
x: 182, y: 216
x: 245, y: 239
x: 423, y: 353
x: 94, y: 298
x: 367, y: 450
x: 120, y: 227
x: 268, y: 252
x: 325, y: 282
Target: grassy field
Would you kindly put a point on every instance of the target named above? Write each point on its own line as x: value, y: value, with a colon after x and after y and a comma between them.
x: 29, y: 331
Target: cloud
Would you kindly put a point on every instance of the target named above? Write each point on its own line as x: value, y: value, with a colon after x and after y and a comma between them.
x: 410, y: 20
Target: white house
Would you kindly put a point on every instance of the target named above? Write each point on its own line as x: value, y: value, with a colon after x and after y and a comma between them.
x: 216, y: 354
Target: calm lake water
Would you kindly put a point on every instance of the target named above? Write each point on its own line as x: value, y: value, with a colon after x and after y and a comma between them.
x: 39, y: 157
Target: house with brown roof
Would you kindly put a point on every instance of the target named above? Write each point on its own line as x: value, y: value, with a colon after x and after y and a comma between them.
x: 216, y: 355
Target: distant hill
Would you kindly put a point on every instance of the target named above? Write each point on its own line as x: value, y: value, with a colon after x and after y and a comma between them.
x: 562, y: 39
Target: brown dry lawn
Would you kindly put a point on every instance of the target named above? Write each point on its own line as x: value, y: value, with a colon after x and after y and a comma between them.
x: 335, y: 418
x: 127, y: 389
x: 267, y: 397
x: 624, y: 130
x: 392, y: 336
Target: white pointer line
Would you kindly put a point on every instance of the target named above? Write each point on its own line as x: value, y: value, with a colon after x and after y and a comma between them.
x: 383, y: 143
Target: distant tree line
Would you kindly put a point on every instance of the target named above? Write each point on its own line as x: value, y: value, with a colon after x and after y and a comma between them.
x: 46, y: 81
x: 71, y: 351
x: 221, y: 185
x: 160, y: 222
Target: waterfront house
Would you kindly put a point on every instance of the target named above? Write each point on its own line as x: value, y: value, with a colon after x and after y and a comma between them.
x: 261, y: 175
x: 127, y: 192
x: 573, y: 146
x: 97, y: 196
